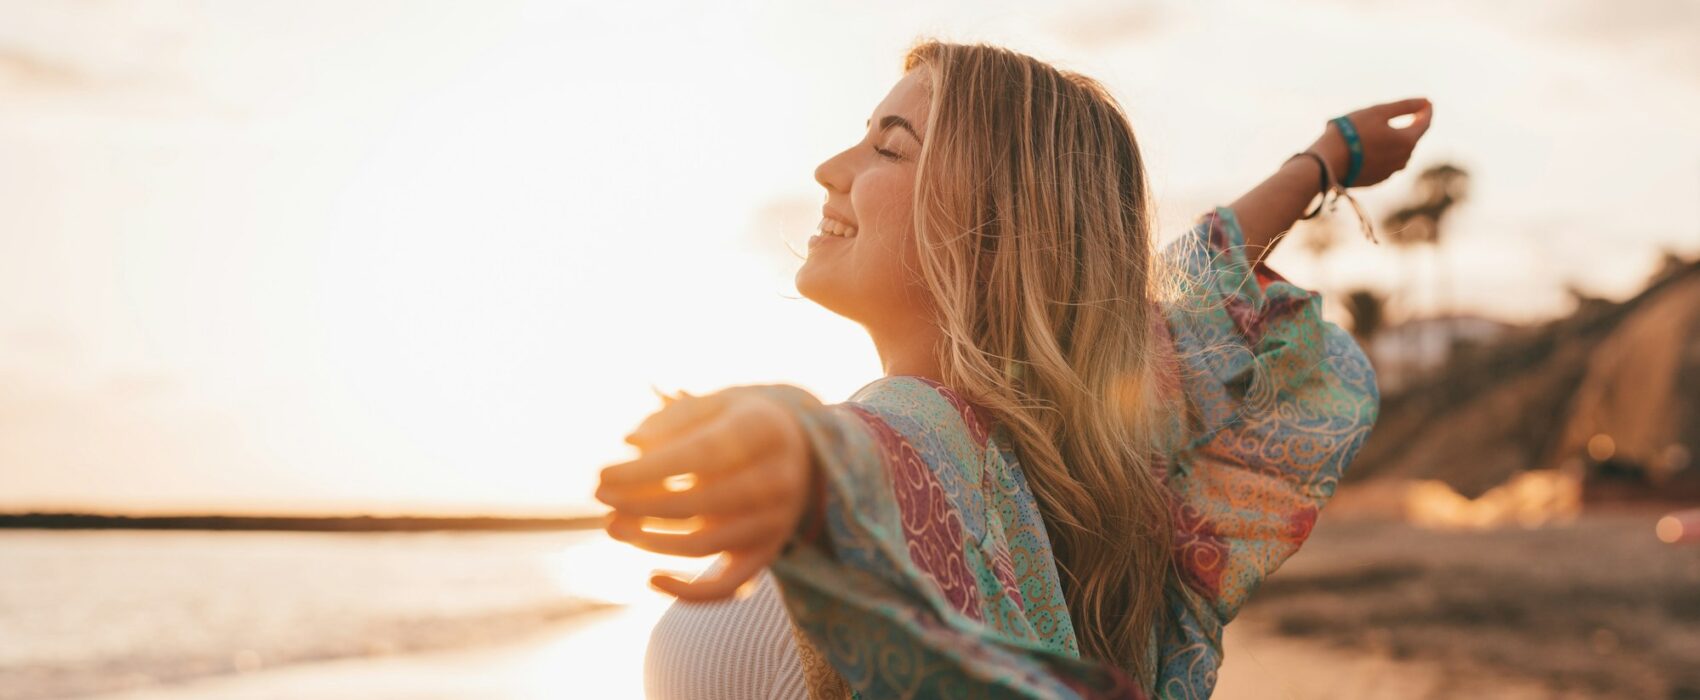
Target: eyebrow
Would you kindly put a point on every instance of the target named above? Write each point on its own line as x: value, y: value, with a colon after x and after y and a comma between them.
x: 891, y: 120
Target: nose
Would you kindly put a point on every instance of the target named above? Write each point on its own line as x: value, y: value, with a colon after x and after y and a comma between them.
x: 834, y: 173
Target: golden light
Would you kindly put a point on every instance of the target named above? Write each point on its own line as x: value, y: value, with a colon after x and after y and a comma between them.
x: 441, y: 286
x: 1669, y: 529
x: 1601, y: 447
x: 601, y: 569
x: 1531, y: 499
x: 672, y: 526
x: 1131, y: 393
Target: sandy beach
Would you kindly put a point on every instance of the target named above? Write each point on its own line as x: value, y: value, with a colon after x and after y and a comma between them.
x: 1597, y: 608
x: 601, y: 657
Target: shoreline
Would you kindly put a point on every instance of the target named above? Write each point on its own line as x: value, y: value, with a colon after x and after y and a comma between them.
x: 569, y: 660
x: 1367, y: 609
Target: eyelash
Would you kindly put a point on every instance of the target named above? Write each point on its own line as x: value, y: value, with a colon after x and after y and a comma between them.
x: 887, y: 154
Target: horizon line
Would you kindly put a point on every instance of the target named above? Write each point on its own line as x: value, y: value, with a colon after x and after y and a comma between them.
x: 70, y: 520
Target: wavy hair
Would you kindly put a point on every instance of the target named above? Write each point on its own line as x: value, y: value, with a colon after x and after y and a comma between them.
x: 1033, y: 226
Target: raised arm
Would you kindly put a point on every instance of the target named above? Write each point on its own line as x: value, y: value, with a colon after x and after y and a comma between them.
x: 1274, y: 205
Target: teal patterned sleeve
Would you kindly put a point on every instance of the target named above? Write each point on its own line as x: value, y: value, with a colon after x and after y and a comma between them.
x: 934, y: 584
x: 936, y: 578
x: 1278, y: 402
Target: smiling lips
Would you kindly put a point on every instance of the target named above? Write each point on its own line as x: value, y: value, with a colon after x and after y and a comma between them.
x: 833, y: 227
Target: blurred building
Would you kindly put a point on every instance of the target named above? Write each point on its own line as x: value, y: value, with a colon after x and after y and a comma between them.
x: 1410, y: 350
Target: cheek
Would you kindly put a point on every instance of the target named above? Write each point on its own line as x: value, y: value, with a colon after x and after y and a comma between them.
x: 876, y: 275
x: 885, y: 211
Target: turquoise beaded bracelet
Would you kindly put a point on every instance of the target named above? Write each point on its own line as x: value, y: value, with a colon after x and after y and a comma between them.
x: 1354, y: 146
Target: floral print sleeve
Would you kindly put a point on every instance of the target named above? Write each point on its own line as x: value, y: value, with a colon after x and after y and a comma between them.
x: 1279, y: 401
x: 936, y: 578
x: 939, y: 581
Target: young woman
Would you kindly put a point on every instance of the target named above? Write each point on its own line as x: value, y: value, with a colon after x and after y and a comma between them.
x: 1084, y: 455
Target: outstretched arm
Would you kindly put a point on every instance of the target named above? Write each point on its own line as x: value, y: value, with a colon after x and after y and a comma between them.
x: 914, y: 591
x: 1272, y: 207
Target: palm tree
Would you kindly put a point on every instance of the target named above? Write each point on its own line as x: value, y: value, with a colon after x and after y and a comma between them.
x: 1437, y: 189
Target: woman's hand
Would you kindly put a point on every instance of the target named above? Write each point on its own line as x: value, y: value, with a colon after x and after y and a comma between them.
x: 1270, y: 209
x: 736, y: 461
x: 1386, y: 149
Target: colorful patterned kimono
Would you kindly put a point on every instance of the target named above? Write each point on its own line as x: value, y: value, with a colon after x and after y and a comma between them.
x: 941, y: 581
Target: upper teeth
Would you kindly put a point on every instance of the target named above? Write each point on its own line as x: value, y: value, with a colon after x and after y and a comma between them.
x: 834, y: 227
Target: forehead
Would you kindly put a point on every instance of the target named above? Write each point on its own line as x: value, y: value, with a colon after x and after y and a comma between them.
x: 907, y: 99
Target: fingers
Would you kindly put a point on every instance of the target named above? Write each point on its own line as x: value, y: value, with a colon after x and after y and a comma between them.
x: 1419, y: 123
x: 1420, y: 110
x: 626, y: 496
x: 715, y: 535
x: 739, y: 490
x: 732, y: 438
x: 741, y: 567
x: 667, y: 400
x: 678, y: 414
x: 1390, y: 110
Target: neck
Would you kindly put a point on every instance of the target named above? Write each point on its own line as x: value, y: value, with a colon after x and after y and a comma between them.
x: 911, y: 350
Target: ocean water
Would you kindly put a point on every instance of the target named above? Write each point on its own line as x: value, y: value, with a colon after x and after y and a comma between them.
x: 88, y: 612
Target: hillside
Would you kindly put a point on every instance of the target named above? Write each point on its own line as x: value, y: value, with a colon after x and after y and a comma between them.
x: 1612, y: 391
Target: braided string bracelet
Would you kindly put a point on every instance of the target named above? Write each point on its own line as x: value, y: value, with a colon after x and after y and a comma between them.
x: 1321, y: 185
x: 1332, y: 191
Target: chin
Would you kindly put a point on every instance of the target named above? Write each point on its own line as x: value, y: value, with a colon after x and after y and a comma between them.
x: 821, y: 290
x: 809, y: 285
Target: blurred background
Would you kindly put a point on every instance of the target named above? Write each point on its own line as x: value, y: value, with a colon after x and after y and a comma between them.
x: 317, y: 320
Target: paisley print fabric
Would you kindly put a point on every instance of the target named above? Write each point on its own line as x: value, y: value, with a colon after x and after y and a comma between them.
x: 935, y: 577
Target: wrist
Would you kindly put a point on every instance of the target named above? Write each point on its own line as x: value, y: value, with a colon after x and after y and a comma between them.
x: 1305, y: 168
x: 1310, y: 167
x: 1331, y: 146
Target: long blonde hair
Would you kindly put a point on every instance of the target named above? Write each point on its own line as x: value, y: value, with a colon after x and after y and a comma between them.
x: 1034, y: 233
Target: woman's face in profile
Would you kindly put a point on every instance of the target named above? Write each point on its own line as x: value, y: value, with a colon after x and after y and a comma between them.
x: 861, y: 263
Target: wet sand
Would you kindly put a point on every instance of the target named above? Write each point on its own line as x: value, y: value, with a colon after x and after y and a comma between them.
x: 598, y: 656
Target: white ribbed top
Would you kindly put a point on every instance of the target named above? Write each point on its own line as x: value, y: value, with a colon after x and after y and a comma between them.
x: 728, y: 650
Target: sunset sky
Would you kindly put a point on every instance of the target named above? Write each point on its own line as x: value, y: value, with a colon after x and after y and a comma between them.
x: 399, y: 257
